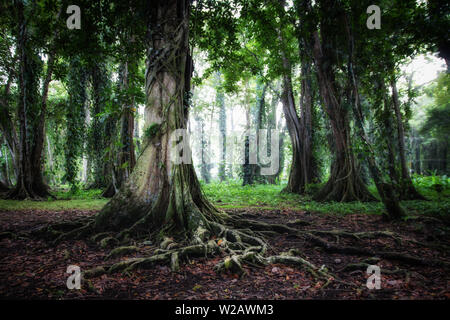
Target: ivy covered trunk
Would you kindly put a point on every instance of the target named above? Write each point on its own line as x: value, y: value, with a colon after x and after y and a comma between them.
x: 408, y: 191
x: 296, y: 182
x: 31, y: 114
x: 76, y: 115
x: 127, y: 157
x: 386, y: 191
x: 96, y: 143
x: 345, y: 183
x: 310, y: 168
x: 160, y: 195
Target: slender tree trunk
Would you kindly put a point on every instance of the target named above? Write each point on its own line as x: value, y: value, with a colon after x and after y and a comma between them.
x: 161, y: 195
x: 76, y: 120
x: 127, y: 158
x: 309, y: 163
x: 296, y: 182
x: 97, y: 137
x: 204, y: 152
x: 220, y: 102
x: 31, y: 112
x: 230, y: 151
x: 387, y: 193
x: 408, y: 191
x: 389, y: 140
x: 298, y: 178
x: 247, y: 168
x: 259, y: 117
x: 272, y: 125
x: 418, y: 156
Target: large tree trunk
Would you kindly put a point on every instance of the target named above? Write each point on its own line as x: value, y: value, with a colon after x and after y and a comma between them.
x: 301, y: 171
x: 407, y: 191
x: 160, y: 195
x: 386, y: 191
x: 31, y: 112
x: 345, y: 183
x: 296, y: 182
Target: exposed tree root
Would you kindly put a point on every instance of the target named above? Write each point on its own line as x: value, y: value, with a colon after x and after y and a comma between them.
x: 239, y: 240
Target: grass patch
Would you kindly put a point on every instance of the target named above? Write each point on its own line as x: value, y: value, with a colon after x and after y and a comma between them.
x: 53, y: 205
x: 232, y: 195
x: 65, y: 200
x: 269, y: 197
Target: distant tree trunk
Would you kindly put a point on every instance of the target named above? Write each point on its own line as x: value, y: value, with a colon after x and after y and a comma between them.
x: 230, y: 151
x: 247, y: 168
x: 417, y: 155
x: 76, y: 120
x: 205, y: 173
x: 220, y: 102
x: 161, y: 196
x: 407, y: 189
x: 272, y: 125
x: 97, y: 144
x: 137, y: 138
x: 259, y: 118
x: 127, y: 158
x: 345, y: 183
x: 5, y: 182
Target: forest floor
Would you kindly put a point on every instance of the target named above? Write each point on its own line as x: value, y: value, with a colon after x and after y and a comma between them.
x: 36, y: 269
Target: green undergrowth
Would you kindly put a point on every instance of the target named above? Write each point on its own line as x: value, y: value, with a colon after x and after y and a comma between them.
x: 232, y: 195
x: 269, y: 197
x: 65, y: 200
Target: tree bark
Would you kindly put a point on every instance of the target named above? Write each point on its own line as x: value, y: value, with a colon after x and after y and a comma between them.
x: 162, y: 196
x: 31, y: 112
x: 127, y: 158
x: 97, y: 136
x: 387, y: 194
x: 309, y: 163
x: 345, y: 183
x: 407, y: 189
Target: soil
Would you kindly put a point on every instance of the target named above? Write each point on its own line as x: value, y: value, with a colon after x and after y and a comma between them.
x: 36, y: 269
